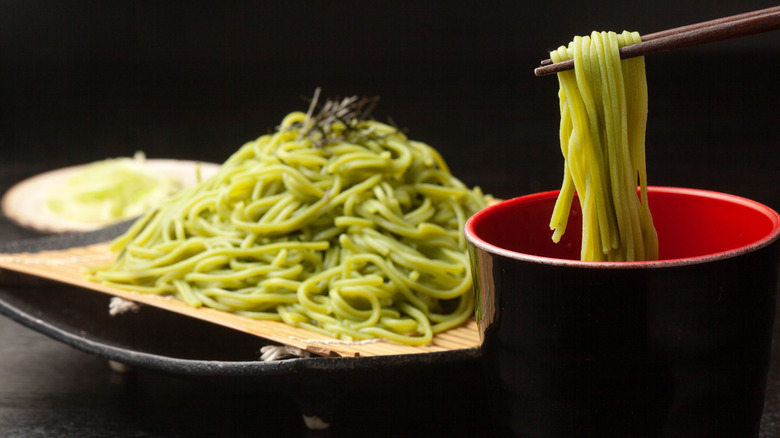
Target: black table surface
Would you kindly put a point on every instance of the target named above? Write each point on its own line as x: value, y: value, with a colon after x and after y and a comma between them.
x: 192, y: 90
x: 50, y: 389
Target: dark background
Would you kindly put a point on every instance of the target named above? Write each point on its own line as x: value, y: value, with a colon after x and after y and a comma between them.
x: 83, y: 81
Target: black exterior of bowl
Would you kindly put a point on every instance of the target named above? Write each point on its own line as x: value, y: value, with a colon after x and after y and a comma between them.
x: 675, y: 351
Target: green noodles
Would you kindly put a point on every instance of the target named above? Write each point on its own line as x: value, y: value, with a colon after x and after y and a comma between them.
x: 333, y: 222
x: 603, y: 104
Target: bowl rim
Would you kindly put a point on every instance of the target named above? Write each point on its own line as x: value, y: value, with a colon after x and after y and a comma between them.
x: 771, y: 237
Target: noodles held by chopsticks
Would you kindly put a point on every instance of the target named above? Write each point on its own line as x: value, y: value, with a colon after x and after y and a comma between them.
x: 334, y: 223
x: 603, y: 104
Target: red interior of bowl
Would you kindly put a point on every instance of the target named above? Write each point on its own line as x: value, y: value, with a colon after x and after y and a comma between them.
x: 690, y: 223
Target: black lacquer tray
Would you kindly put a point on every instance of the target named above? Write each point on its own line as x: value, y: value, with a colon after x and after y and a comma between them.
x: 162, y: 341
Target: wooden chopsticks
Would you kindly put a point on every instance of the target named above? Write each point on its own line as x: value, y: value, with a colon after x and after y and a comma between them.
x: 749, y: 23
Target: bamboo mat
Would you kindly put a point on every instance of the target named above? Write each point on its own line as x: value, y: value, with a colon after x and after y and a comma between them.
x: 66, y: 266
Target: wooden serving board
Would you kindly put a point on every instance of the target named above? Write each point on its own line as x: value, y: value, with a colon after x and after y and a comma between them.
x: 67, y: 266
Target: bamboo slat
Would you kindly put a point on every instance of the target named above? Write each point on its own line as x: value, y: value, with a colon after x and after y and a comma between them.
x: 67, y: 266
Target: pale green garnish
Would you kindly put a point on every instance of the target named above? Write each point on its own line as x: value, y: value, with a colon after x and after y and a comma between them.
x: 111, y: 190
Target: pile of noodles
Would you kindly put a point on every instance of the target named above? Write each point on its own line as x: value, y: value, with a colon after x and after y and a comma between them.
x: 334, y: 223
